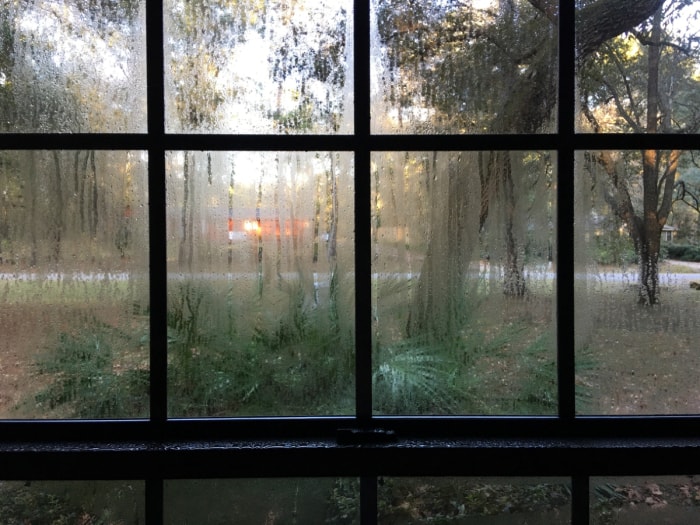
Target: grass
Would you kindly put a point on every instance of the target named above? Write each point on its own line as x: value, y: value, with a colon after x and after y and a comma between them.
x: 234, y: 352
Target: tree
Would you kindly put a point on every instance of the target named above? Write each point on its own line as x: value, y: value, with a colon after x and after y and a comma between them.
x: 48, y: 83
x: 434, y: 53
x: 648, y: 82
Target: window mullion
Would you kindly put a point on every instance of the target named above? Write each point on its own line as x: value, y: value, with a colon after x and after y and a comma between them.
x: 156, y: 198
x: 363, y: 295
x: 565, y: 214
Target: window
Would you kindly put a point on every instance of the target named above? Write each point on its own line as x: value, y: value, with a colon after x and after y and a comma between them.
x: 290, y: 232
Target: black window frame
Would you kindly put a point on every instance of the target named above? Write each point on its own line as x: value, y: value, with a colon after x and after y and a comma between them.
x: 364, y: 445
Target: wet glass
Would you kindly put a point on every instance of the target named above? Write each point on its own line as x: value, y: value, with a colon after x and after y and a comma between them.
x: 54, y: 502
x: 636, y: 286
x: 463, y: 282
x: 478, y: 501
x: 482, y: 66
x: 260, y: 283
x: 644, y: 500
x: 644, y: 77
x: 254, y: 501
x: 74, y: 284
x: 259, y: 67
x: 72, y: 66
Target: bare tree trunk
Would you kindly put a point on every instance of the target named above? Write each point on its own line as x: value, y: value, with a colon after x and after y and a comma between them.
x: 57, y: 219
x: 186, y: 248
x: 33, y: 188
x: 95, y: 211
x: 440, y: 297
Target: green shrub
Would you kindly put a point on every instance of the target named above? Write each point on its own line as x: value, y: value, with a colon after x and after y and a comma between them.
x: 684, y: 252
x: 88, y: 376
x: 244, y: 357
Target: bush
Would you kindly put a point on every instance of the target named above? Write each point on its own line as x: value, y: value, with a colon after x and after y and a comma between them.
x: 684, y: 252
x: 236, y: 355
x: 89, y: 376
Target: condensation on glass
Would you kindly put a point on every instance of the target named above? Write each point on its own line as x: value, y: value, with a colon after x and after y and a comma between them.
x: 257, y: 500
x: 636, y: 286
x: 463, y: 282
x: 108, y: 502
x: 72, y: 66
x: 484, y: 66
x: 74, y: 284
x: 259, y: 66
x: 644, y: 500
x: 261, y: 283
x: 646, y: 78
x: 482, y: 501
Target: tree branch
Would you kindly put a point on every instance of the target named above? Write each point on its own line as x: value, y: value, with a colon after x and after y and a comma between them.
x: 548, y: 8
x: 605, y: 19
x: 645, y: 41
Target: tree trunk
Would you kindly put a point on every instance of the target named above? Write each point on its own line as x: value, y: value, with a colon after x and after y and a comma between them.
x: 57, y: 219
x: 440, y: 297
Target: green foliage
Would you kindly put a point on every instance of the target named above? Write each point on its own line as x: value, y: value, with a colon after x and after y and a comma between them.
x: 684, y: 252
x: 87, y: 376
x: 300, y: 363
x: 614, y: 249
x: 538, y: 389
x: 415, y: 377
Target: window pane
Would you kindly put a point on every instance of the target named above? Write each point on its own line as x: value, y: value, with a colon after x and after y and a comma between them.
x: 55, y: 502
x: 637, y: 282
x: 257, y: 501
x: 642, y: 75
x: 70, y: 66
x: 261, y: 286
x: 74, y: 284
x: 646, y: 500
x: 463, y: 282
x: 463, y: 67
x: 483, y: 501
x: 268, y: 66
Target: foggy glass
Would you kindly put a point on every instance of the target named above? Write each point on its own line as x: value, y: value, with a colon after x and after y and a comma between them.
x: 644, y: 500
x: 256, y: 501
x: 74, y: 284
x: 54, y: 502
x: 482, y: 66
x: 655, y: 63
x: 474, y: 501
x: 72, y: 66
x: 258, y: 66
x: 260, y: 283
x: 463, y: 283
x: 636, y: 305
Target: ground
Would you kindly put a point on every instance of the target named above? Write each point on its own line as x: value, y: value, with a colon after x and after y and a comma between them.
x: 639, y: 360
